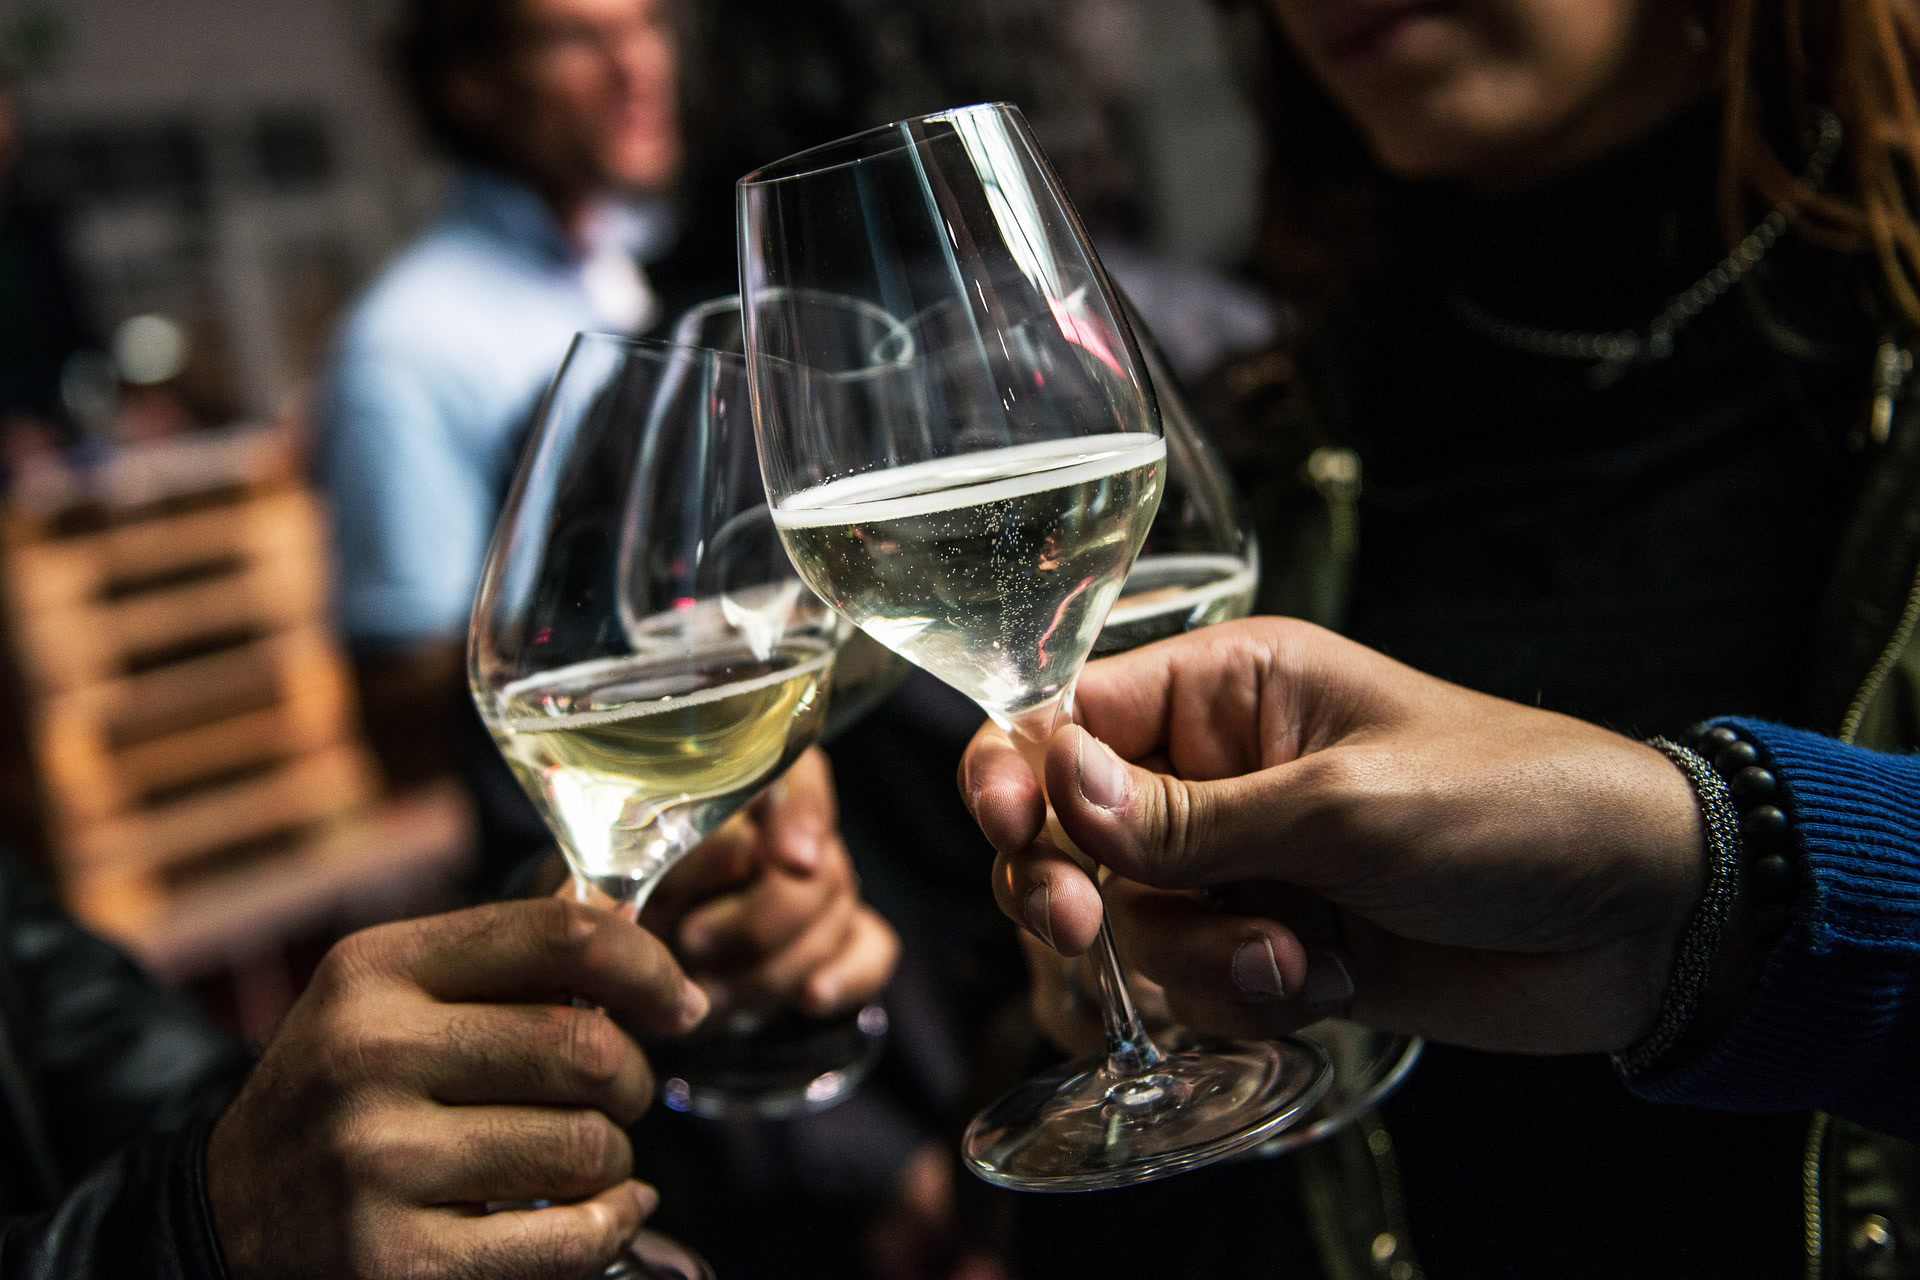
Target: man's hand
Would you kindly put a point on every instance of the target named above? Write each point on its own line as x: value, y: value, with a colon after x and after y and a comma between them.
x: 435, y: 1066
x: 766, y: 912
x: 1503, y: 877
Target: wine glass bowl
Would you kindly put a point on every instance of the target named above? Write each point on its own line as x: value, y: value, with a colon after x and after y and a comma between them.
x: 1200, y: 563
x: 868, y: 343
x: 640, y: 650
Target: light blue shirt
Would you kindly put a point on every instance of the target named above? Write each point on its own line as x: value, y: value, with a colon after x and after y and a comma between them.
x: 435, y: 379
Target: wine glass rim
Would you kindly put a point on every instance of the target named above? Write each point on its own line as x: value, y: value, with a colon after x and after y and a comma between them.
x: 815, y: 160
x: 660, y: 348
x: 898, y: 334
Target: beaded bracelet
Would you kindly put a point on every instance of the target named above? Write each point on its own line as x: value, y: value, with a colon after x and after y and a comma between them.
x: 1751, y: 874
x: 1773, y: 866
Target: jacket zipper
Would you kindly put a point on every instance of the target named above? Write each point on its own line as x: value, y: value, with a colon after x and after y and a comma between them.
x: 1810, y: 1172
x: 1877, y: 676
x: 1892, y: 367
x: 1399, y: 1261
x: 1810, y: 1192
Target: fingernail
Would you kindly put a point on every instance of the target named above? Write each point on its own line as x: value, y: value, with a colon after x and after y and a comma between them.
x: 1256, y: 973
x: 1103, y: 778
x: 1039, y: 913
x: 694, y: 1006
x: 1329, y: 984
x: 821, y: 995
x: 694, y: 941
x: 646, y: 1199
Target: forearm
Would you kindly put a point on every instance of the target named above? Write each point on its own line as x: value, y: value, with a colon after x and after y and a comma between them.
x: 1831, y: 1016
x: 141, y: 1212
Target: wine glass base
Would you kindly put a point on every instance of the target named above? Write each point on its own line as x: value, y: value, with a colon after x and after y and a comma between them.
x: 773, y: 1068
x: 1081, y: 1127
x: 1368, y: 1066
x: 651, y: 1256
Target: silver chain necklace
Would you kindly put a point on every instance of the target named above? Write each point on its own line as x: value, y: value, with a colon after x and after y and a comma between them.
x: 1613, y: 354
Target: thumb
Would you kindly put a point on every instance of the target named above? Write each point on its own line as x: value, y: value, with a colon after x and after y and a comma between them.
x: 1168, y: 832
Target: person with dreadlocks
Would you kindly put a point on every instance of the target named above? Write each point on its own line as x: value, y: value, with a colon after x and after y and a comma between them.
x: 1596, y: 402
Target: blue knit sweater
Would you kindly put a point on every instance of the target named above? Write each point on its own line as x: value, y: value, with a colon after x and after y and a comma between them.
x: 1834, y: 1023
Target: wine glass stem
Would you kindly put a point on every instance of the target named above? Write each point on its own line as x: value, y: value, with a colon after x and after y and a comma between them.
x: 1130, y: 1050
x: 626, y: 897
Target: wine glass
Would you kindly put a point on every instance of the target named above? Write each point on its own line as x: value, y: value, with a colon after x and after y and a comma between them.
x: 865, y: 672
x: 771, y: 1064
x: 641, y: 649
x: 977, y: 509
x: 1200, y: 565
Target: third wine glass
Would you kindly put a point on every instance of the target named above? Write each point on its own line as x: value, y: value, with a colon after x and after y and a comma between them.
x: 1200, y: 565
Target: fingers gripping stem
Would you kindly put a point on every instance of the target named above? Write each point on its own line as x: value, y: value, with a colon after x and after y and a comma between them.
x: 1130, y: 1050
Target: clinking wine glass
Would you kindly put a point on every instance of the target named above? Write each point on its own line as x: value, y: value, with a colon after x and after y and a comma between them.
x: 767, y: 1064
x: 1200, y: 565
x: 641, y: 649
x: 865, y: 673
x: 979, y: 516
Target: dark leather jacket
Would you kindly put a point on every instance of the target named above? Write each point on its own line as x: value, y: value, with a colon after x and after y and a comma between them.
x: 109, y: 1085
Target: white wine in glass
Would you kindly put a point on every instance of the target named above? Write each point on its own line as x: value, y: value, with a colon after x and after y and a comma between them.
x: 636, y: 759
x: 993, y: 569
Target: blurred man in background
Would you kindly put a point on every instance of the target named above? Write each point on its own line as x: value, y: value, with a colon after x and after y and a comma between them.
x: 560, y: 117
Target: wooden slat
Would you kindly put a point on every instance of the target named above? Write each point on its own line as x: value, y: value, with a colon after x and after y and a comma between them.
x: 311, y: 788
x: 227, y: 706
x: 74, y: 572
x: 92, y: 783
x: 362, y: 867
x: 65, y: 649
x: 309, y: 719
x: 80, y: 779
x: 201, y: 689
x: 116, y: 899
x: 270, y: 593
x: 139, y: 477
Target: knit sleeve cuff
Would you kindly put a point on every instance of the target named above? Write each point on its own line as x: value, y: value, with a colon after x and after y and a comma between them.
x: 1839, y: 996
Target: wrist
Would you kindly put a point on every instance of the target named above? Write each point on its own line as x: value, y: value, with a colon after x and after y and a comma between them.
x: 239, y: 1235
x: 1744, y: 909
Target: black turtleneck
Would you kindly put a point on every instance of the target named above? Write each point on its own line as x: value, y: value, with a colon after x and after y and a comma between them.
x: 1641, y: 555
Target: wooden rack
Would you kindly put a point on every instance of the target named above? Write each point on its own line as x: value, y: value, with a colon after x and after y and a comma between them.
x: 197, y: 775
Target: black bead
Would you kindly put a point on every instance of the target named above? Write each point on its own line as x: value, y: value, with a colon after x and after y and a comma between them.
x: 1717, y: 739
x: 1764, y: 827
x: 1771, y: 919
x: 1773, y: 876
x: 1732, y: 759
x: 1751, y: 786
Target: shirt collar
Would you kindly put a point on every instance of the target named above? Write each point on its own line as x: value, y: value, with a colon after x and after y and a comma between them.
x: 512, y: 210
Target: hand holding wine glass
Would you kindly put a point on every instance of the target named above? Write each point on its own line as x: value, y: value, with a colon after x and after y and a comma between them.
x: 766, y: 914
x: 1507, y: 878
